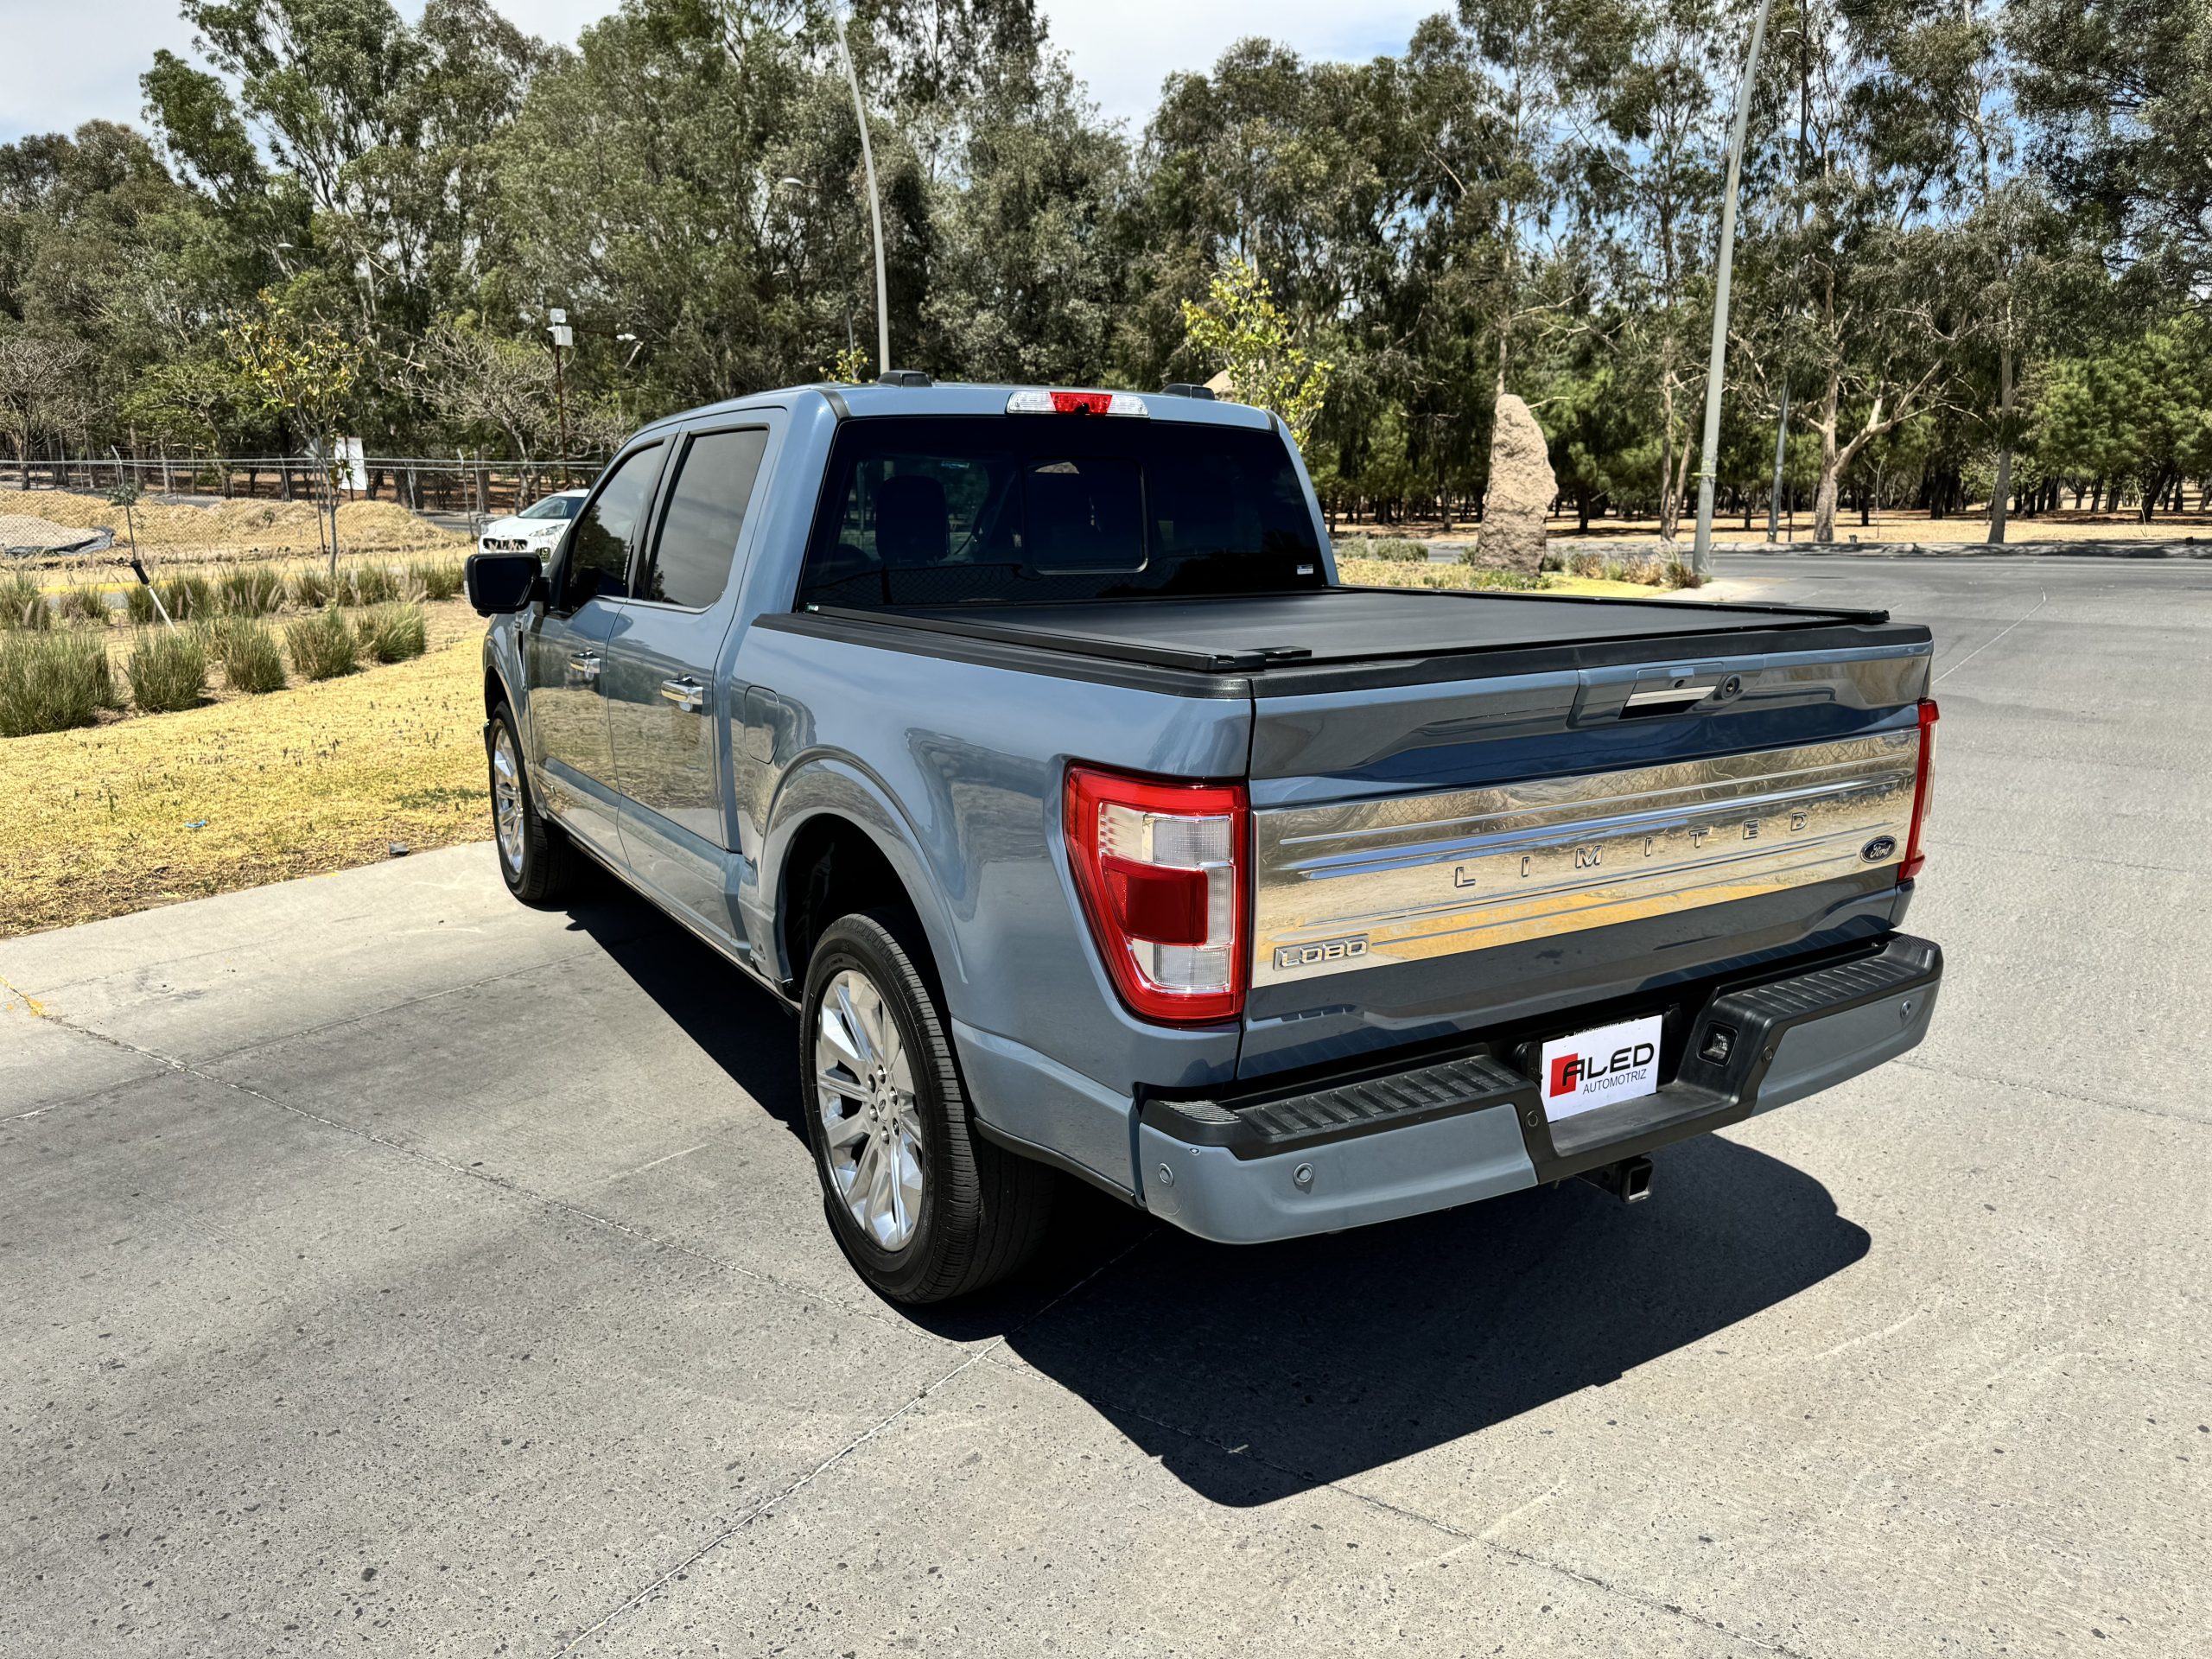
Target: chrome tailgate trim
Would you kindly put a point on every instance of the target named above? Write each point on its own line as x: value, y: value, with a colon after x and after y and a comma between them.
x: 1362, y: 883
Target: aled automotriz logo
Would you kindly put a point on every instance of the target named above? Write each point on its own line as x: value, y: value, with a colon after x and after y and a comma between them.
x: 1571, y: 1071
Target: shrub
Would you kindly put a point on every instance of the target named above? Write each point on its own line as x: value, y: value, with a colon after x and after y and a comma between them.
x: 252, y: 590
x: 246, y: 646
x: 1682, y: 574
x: 1509, y: 582
x: 322, y: 646
x: 392, y: 633
x: 439, y: 579
x: 51, y: 680
x: 1395, y: 549
x: 138, y: 604
x: 21, y: 603
x: 311, y: 587
x: 167, y: 669
x: 189, y: 599
x: 368, y: 584
x: 83, y: 602
x: 1586, y: 565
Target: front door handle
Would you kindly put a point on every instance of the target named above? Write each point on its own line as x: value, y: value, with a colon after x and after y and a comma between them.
x: 584, y: 666
x: 686, y: 694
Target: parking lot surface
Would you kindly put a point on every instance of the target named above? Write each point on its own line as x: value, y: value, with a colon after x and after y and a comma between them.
x: 385, y: 1267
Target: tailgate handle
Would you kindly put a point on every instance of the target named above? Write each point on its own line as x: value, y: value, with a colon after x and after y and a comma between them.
x: 1677, y: 695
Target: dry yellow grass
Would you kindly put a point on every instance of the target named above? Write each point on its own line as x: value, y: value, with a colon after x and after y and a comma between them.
x: 1383, y: 572
x: 237, y: 530
x: 314, y: 778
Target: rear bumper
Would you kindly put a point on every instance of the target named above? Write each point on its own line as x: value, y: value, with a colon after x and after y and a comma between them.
x: 1387, y: 1142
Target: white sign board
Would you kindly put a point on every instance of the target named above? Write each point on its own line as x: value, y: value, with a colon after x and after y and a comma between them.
x: 352, y: 466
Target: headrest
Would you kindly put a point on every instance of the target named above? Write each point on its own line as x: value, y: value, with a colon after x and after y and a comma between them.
x: 911, y: 525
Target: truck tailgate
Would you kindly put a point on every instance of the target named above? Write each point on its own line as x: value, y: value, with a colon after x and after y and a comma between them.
x: 1466, y: 846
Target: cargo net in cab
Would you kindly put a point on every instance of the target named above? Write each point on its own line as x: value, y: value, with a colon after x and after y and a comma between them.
x: 957, y: 510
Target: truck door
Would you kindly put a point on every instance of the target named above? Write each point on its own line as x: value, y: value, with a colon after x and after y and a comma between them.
x: 564, y: 652
x: 666, y: 681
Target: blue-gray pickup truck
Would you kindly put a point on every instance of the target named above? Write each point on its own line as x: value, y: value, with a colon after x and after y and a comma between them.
x: 1027, y: 744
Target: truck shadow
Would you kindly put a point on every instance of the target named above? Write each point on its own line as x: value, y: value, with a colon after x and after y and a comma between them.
x: 1252, y: 1374
x: 1255, y: 1373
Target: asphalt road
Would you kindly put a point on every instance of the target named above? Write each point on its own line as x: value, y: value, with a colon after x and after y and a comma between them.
x: 385, y: 1267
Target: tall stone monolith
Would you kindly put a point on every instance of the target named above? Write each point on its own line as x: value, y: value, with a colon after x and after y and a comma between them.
x: 1522, y: 488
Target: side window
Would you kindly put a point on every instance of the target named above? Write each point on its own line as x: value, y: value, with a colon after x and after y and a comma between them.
x: 699, y: 528
x: 599, y: 546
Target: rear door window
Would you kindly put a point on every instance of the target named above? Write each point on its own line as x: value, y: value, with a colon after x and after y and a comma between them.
x: 704, y: 518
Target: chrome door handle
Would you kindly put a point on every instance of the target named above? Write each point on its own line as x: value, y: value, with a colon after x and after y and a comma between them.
x: 585, y: 667
x: 685, y: 694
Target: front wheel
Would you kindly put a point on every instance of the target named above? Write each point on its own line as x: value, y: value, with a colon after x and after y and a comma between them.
x: 535, y: 858
x: 923, y: 1207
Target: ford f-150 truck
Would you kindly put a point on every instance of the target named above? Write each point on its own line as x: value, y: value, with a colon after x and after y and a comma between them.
x: 1027, y: 744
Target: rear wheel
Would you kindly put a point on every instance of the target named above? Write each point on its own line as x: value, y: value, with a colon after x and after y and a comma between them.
x: 536, y: 861
x: 923, y: 1207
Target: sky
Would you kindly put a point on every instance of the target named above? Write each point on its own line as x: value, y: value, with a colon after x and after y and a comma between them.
x: 68, y: 61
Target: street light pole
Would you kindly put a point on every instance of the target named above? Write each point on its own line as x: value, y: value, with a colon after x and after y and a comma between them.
x: 875, y: 205
x: 1701, y: 549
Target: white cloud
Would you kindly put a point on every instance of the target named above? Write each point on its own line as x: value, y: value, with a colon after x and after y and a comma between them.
x: 66, y: 63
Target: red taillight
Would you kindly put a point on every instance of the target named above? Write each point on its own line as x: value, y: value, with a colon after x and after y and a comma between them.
x: 1923, y: 786
x: 1161, y: 869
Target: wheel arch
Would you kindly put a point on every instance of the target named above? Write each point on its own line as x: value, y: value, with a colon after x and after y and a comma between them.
x: 840, y: 845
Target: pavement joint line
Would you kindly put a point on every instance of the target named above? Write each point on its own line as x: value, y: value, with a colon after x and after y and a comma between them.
x: 1465, y: 1539
x: 497, y: 1183
x: 641, y: 1597
x: 2043, y: 598
x: 1959, y: 1073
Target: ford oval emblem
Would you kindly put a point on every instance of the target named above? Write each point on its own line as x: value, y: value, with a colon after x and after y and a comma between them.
x: 1879, y: 848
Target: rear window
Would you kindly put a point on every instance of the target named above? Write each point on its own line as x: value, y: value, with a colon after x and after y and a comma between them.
x: 954, y: 509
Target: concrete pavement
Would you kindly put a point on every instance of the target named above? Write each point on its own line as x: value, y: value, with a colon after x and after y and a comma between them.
x: 386, y: 1267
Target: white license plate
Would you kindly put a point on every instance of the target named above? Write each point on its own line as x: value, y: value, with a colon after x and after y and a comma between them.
x: 1597, y: 1068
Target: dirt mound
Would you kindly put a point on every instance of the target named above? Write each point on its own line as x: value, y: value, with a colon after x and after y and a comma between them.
x: 242, y: 530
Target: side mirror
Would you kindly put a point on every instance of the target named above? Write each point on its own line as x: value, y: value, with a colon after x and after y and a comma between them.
x: 500, y: 584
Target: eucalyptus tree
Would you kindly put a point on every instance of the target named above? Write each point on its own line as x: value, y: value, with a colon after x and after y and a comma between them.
x: 2119, y: 94
x: 1650, y: 177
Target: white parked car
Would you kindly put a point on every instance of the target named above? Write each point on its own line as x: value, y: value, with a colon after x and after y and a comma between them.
x: 537, y: 529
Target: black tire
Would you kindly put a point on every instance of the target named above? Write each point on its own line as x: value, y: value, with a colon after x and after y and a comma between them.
x: 983, y: 1211
x: 540, y: 868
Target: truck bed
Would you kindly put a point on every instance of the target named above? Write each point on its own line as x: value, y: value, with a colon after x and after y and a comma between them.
x: 1373, y: 628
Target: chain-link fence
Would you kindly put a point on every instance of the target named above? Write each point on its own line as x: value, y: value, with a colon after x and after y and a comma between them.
x: 457, y: 485
x: 195, y: 509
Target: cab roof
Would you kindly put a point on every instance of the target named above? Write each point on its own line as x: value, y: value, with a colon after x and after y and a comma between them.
x: 965, y: 397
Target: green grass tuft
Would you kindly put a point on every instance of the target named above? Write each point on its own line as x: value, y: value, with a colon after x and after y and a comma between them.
x: 246, y: 647
x: 167, y: 670
x: 437, y: 579
x: 52, y: 679
x: 250, y: 590
x: 188, y: 599
x: 322, y: 646
x: 368, y: 584
x: 23, y: 605
x: 311, y: 587
x: 392, y: 633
